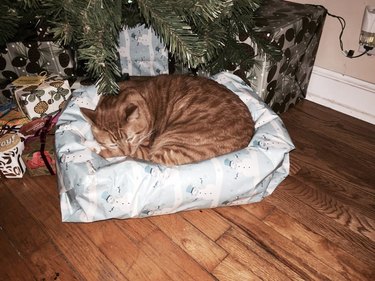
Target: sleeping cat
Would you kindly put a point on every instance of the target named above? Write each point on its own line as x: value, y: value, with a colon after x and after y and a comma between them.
x: 171, y: 120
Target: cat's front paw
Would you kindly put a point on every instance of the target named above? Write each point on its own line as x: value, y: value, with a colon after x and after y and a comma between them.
x: 105, y: 153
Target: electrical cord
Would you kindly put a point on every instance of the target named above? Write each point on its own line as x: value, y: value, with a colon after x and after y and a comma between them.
x: 350, y: 53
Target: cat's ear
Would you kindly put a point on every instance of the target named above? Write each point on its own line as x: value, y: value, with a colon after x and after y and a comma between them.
x: 89, y: 115
x: 131, y: 112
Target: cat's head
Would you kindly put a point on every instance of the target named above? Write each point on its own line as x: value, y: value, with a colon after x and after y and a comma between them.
x: 119, y: 122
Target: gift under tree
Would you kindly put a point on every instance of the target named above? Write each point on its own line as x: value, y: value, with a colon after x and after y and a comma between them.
x: 198, y: 33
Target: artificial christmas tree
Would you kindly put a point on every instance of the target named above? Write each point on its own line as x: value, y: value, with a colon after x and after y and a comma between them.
x: 198, y: 33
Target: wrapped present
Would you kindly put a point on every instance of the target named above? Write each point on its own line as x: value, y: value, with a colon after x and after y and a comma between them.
x: 81, y: 82
x: 6, y: 99
x: 47, y: 98
x: 30, y: 58
x: 141, y: 52
x: 40, y: 161
x: 11, y: 148
x: 295, y: 29
x: 15, y: 117
x: 39, y: 152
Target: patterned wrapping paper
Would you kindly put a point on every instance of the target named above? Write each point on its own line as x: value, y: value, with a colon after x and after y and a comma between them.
x: 141, y: 52
x: 10, y: 114
x: 33, y: 157
x: 30, y: 58
x: 49, y: 97
x: 296, y: 29
x: 93, y: 188
x: 15, y: 117
x: 11, y: 148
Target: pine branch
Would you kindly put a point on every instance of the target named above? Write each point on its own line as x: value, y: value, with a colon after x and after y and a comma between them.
x: 9, y: 21
x: 92, y: 28
x: 176, y: 33
x: 101, y: 23
x: 14, y: 14
x: 199, y: 33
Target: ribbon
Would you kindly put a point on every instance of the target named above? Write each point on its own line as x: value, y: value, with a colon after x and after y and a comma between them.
x: 5, y: 129
x: 43, y: 138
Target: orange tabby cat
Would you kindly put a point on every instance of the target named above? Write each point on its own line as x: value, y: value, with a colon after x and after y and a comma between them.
x: 171, y: 120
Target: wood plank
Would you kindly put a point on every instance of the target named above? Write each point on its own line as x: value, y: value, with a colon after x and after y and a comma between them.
x: 51, y: 264
x: 332, y: 152
x: 127, y: 256
x: 136, y: 229
x: 208, y: 222
x: 34, y: 245
x: 191, y: 240
x: 231, y: 270
x: 260, y: 209
x: 339, y: 127
x: 256, y: 259
x: 329, y: 206
x: 335, y: 159
x: 88, y: 260
x: 359, y: 246
x: 317, y: 245
x: 12, y: 265
x: 283, y: 249
x: 172, y: 259
x: 176, y: 263
x: 359, y: 198
x: 15, y: 218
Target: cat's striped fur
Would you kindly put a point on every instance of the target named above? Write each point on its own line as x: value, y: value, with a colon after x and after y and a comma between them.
x: 171, y: 120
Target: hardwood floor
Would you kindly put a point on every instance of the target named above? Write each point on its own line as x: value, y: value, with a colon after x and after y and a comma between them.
x: 319, y: 224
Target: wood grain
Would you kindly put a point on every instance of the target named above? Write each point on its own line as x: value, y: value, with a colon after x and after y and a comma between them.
x: 191, y: 240
x: 319, y: 224
x: 281, y: 248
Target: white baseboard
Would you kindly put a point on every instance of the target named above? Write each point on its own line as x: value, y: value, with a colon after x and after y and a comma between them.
x: 342, y: 93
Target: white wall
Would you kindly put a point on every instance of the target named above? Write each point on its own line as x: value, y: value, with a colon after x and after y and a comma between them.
x: 329, y: 54
x: 346, y: 85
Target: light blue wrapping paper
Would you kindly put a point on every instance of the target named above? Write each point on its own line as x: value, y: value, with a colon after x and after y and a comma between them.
x: 142, y: 53
x: 93, y: 188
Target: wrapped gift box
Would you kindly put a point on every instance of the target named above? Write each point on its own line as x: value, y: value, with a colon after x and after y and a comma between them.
x: 30, y: 58
x: 295, y: 29
x: 141, y: 52
x: 15, y: 117
x: 6, y: 99
x: 47, y: 98
x: 11, y: 148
